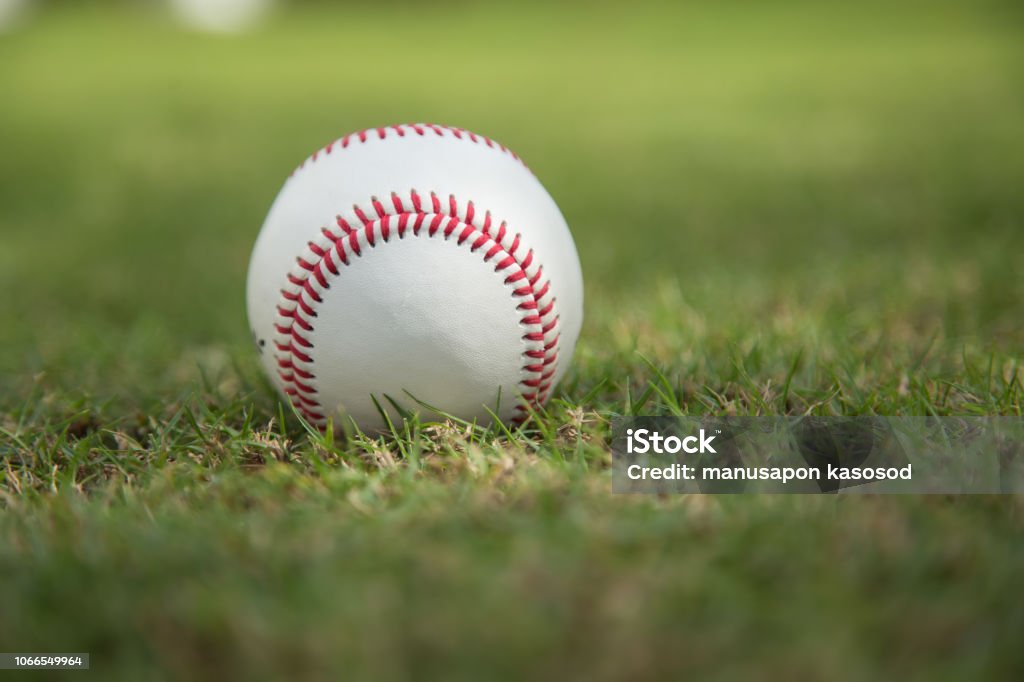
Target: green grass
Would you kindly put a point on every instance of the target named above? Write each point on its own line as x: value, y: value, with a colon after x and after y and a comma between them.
x: 779, y: 209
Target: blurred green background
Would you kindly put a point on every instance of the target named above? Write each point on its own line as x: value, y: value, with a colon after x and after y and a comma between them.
x: 783, y: 206
x: 764, y: 159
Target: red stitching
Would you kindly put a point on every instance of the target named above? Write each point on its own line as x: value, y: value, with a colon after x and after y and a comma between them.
x: 297, y: 308
x: 420, y: 129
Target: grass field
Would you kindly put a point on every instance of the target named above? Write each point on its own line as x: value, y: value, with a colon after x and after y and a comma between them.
x: 779, y: 209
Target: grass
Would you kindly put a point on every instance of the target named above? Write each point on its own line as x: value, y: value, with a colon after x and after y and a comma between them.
x: 779, y: 209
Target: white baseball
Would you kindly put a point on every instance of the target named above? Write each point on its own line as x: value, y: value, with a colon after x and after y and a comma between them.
x: 419, y: 264
x: 221, y: 16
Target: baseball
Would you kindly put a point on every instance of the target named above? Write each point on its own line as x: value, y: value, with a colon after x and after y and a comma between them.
x: 221, y: 16
x: 418, y: 266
